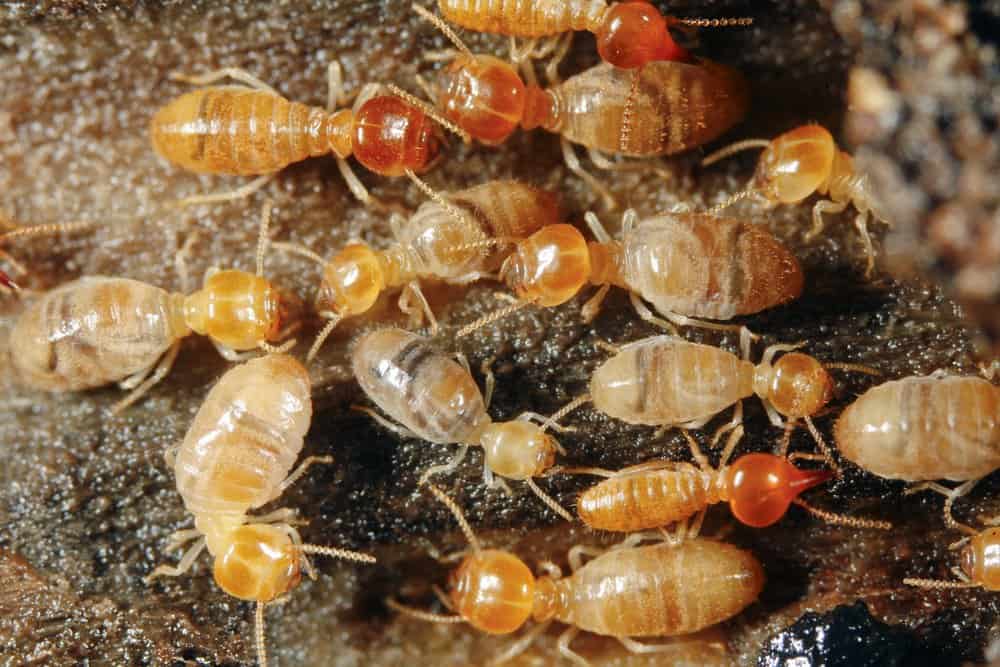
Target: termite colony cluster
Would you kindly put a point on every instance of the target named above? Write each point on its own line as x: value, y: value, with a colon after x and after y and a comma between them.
x: 683, y: 268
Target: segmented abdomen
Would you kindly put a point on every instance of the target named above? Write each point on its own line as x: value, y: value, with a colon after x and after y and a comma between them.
x: 94, y: 331
x: 666, y: 380
x: 237, y: 130
x: 647, y: 499
x: 524, y: 18
x: 456, y: 250
x: 702, y: 266
x: 245, y: 437
x: 660, y: 589
x: 419, y: 386
x: 923, y: 428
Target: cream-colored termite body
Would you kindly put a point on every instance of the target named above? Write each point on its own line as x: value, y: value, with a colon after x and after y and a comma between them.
x: 236, y: 457
x: 924, y: 428
x: 628, y: 591
x: 435, y: 398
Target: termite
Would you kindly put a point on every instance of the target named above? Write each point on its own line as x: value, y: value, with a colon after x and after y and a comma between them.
x: 236, y: 457
x: 457, y: 238
x: 434, y: 398
x: 688, y: 265
x: 758, y: 487
x: 664, y: 108
x: 629, y: 34
x: 801, y: 162
x: 253, y: 130
x: 629, y: 591
x: 97, y: 330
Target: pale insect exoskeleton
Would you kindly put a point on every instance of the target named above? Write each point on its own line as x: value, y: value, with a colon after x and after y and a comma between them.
x: 458, y: 238
x: 433, y: 397
x: 687, y: 265
x: 97, y: 330
x: 253, y: 130
x: 625, y: 592
x: 758, y: 487
x: 663, y: 108
x: 801, y: 162
x: 237, y: 456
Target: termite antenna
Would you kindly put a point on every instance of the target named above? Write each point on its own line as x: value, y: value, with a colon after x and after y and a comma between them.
x: 445, y: 29
x: 628, y: 111
x: 336, y: 552
x: 732, y: 149
x: 262, y: 236
x: 294, y: 249
x: 854, y: 368
x: 259, y: 635
x: 841, y: 520
x: 463, y: 523
x: 39, y: 230
x: 549, y: 501
x: 430, y: 111
x: 821, y: 443
x: 333, y: 319
x: 714, y: 23
x: 437, y: 197
x: 554, y: 418
x: 491, y: 317
x: 938, y: 584
x: 422, y: 615
x: 732, y: 199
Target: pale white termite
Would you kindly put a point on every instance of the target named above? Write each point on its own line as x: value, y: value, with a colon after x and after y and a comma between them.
x: 236, y: 457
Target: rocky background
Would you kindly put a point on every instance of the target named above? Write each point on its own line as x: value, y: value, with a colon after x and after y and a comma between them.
x: 87, y: 501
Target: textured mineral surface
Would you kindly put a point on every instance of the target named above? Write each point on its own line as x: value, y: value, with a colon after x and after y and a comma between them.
x: 87, y: 501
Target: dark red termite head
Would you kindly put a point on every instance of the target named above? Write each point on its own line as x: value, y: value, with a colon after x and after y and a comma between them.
x: 762, y: 486
x: 635, y: 33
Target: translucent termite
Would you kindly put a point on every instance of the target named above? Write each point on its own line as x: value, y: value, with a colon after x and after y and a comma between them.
x: 434, y: 398
x: 924, y: 428
x: 625, y: 592
x: 97, y: 330
x: 802, y: 162
x: 236, y: 457
x: 253, y: 130
x: 457, y: 238
x: 758, y: 487
x: 664, y: 108
x: 688, y: 265
x: 979, y: 564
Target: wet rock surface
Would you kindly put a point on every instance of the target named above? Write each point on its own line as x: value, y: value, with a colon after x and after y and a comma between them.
x: 87, y: 502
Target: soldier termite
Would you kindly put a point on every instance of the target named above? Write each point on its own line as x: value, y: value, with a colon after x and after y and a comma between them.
x: 662, y: 109
x: 97, y: 330
x: 687, y: 265
x: 236, y: 457
x: 801, y: 162
x: 255, y: 131
x: 458, y: 238
x: 626, y: 592
x: 758, y: 487
x: 434, y: 398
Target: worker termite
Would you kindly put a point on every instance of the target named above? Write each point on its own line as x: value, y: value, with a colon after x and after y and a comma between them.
x: 236, y: 457
x: 255, y: 131
x: 924, y: 428
x: 662, y: 109
x: 687, y: 265
x: 97, y: 330
x: 434, y: 398
x: 629, y: 591
x: 801, y: 162
x: 458, y: 238
x: 758, y: 487
x: 629, y: 34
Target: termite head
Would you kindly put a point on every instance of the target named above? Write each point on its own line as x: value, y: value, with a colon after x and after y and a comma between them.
x: 392, y: 136
x: 352, y: 281
x: 236, y: 308
x: 517, y: 449
x: 483, y: 95
x: 259, y: 563
x: 760, y: 487
x: 635, y: 33
x: 980, y: 560
x: 549, y: 267
x: 797, y: 385
x: 795, y: 165
x: 493, y: 591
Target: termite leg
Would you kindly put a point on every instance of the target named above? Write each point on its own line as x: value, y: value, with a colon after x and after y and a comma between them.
x: 398, y: 429
x: 300, y: 471
x: 822, y: 207
x: 734, y: 439
x: 597, y: 228
x: 552, y: 68
x: 336, y: 96
x: 572, y: 161
x: 607, y: 346
x: 281, y: 515
x: 162, y: 368
x: 951, y: 495
x: 632, y: 646
x: 646, y: 314
x: 590, y: 309
x: 772, y: 350
x: 185, y: 563
x: 211, y: 77
x: 180, y: 262
x: 356, y: 187
x: 548, y: 422
x: 736, y: 420
x: 181, y: 537
x: 486, y: 368
x: 241, y: 192
x: 861, y: 222
x: 565, y: 651
x: 495, y: 481
x: 444, y: 467
x: 229, y: 354
x: 696, y: 452
x: 521, y: 645
x: 420, y: 309
x: 576, y: 554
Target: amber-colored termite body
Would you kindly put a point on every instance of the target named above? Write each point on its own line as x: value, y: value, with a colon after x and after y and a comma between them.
x: 802, y: 162
x: 98, y: 330
x: 924, y: 428
x: 238, y: 456
x: 979, y: 563
x: 645, y: 591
